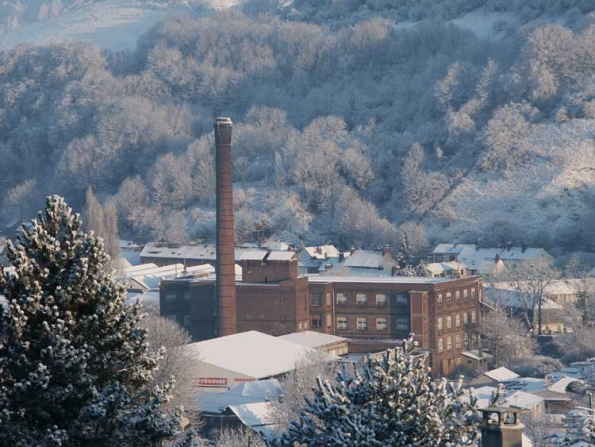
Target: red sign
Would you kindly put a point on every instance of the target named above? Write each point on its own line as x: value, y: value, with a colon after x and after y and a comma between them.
x: 212, y: 381
x: 244, y: 379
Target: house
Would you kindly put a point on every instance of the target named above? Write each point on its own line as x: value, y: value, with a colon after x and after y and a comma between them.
x: 504, y: 295
x: 494, y: 377
x: 487, y: 261
x: 317, y: 259
x: 451, y: 269
x: 226, y: 362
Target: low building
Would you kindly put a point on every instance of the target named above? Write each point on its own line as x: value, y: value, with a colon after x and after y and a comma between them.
x: 494, y: 377
x: 226, y: 362
x: 313, y: 260
x: 320, y: 341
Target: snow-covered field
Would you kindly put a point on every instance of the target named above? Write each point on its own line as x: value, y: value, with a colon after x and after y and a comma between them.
x: 112, y: 24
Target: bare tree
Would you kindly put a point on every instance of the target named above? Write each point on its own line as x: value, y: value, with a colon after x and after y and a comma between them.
x: 506, y: 337
x: 539, y: 429
x: 583, y: 285
x: 94, y: 218
x: 299, y: 383
x: 530, y: 280
x: 22, y: 197
x: 238, y: 438
x: 177, y: 361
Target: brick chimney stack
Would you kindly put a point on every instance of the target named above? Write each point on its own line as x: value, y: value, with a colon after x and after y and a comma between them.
x: 225, y: 265
x: 501, y: 427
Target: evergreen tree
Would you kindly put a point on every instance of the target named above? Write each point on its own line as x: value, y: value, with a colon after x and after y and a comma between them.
x: 386, y: 402
x: 74, y: 366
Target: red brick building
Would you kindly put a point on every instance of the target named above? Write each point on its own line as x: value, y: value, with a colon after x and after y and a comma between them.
x: 375, y: 313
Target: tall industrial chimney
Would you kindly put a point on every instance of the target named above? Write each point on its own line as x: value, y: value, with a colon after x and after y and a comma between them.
x: 225, y: 266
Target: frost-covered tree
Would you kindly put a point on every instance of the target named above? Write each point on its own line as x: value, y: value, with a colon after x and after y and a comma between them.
x: 391, y: 401
x: 74, y: 364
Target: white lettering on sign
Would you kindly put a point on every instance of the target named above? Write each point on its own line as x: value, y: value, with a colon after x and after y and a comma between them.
x: 212, y: 381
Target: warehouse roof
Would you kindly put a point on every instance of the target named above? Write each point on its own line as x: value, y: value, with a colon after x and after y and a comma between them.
x: 312, y: 339
x: 254, y: 354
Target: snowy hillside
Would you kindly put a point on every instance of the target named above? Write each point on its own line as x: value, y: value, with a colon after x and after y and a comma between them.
x: 552, y: 193
x: 112, y: 24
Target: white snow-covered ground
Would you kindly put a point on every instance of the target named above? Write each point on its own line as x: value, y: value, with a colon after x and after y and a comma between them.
x: 112, y: 24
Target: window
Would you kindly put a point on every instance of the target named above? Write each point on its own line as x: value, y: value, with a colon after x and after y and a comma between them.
x: 472, y: 317
x: 329, y: 301
x: 465, y: 295
x: 466, y: 339
x: 186, y: 321
x: 329, y: 320
x: 401, y: 299
x: 362, y: 324
x: 439, y: 299
x: 186, y: 296
x: 458, y: 296
x: 361, y: 299
x: 458, y: 320
x: 402, y: 324
x: 315, y: 299
x: 300, y: 326
x: 380, y: 299
x: 466, y: 318
x: 316, y: 321
x: 440, y: 345
x: 458, y: 342
x: 341, y: 322
x: 448, y: 298
x: 341, y: 298
x: 305, y: 325
x: 381, y: 324
x: 474, y: 339
x: 448, y: 322
x: 449, y: 343
x: 440, y: 323
x: 170, y: 297
x: 472, y: 294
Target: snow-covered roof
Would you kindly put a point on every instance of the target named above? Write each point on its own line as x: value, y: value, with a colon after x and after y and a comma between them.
x: 197, y: 252
x: 245, y: 393
x: 376, y: 280
x: 468, y: 253
x: 254, y: 354
x: 253, y: 255
x: 148, y: 276
x: 501, y: 374
x: 560, y: 385
x: 322, y: 251
x: 312, y: 339
x: 443, y: 267
x: 474, y: 355
x: 522, y: 399
x: 281, y: 256
x: 272, y: 244
x: 528, y: 384
x: 511, y: 298
x: 451, y: 248
x: 365, y: 259
x: 257, y: 416
x: 483, y: 395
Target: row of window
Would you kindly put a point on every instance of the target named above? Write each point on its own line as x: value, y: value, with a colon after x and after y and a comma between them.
x: 183, y: 320
x: 361, y: 299
x: 440, y: 320
x: 401, y: 324
x: 457, y: 296
x: 172, y: 297
x: 457, y: 340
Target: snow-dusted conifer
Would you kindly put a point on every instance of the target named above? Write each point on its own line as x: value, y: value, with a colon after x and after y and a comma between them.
x: 74, y: 366
x: 386, y: 402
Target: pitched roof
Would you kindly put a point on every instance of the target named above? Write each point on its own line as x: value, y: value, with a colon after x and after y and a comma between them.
x: 253, y: 354
x: 501, y: 374
x: 522, y: 399
x: 365, y: 259
x: 322, y: 251
x: 245, y: 393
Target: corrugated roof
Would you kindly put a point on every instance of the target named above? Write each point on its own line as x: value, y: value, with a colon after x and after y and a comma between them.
x: 253, y: 354
x: 312, y: 339
x: 253, y: 255
x: 377, y: 280
x: 245, y: 393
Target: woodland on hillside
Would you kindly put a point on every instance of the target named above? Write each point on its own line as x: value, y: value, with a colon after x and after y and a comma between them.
x: 347, y: 133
